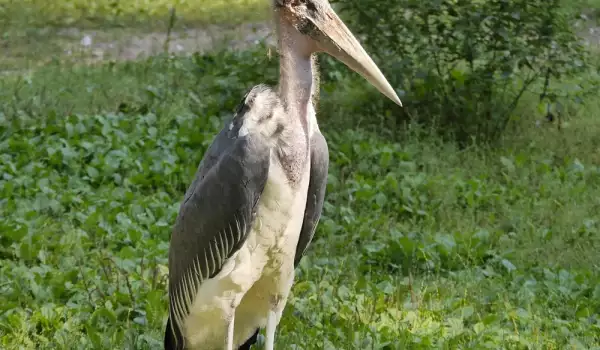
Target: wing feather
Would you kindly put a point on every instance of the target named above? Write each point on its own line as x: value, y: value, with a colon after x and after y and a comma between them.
x: 319, y: 165
x: 214, y: 221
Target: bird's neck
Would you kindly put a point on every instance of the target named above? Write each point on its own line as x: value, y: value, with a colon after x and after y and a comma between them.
x: 295, y: 78
x: 296, y: 71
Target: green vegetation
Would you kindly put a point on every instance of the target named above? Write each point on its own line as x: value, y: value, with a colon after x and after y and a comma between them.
x: 103, y: 13
x: 468, y: 63
x: 424, y: 243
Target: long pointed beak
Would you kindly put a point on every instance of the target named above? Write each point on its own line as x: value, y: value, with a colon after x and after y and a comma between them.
x: 336, y: 39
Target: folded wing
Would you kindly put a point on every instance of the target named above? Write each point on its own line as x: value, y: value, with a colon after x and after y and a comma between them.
x: 214, y: 220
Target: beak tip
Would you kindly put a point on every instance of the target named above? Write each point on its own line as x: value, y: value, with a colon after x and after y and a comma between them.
x: 394, y: 97
x: 398, y: 102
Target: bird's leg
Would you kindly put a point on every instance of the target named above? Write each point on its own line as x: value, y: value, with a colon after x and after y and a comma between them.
x: 229, y: 340
x: 277, y: 304
x: 271, y: 326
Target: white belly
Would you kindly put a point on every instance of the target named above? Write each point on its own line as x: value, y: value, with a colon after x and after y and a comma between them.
x: 259, y: 277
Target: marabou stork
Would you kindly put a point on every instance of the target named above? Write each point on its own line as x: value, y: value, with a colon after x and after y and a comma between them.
x: 252, y: 209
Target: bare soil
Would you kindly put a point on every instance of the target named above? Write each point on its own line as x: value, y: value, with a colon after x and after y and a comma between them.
x: 103, y: 45
x: 28, y: 50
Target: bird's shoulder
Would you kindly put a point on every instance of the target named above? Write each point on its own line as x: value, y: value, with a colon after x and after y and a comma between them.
x: 233, y: 140
x: 259, y: 113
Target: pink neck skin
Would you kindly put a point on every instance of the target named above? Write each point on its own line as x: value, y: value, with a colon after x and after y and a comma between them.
x: 295, y: 70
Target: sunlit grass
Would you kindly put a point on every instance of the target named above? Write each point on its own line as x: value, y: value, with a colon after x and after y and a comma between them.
x: 103, y: 13
x: 421, y: 245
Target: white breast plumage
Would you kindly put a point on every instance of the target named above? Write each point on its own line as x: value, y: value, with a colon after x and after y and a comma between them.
x: 264, y: 263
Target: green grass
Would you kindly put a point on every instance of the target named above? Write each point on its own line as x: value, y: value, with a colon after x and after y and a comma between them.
x: 103, y: 13
x: 422, y: 245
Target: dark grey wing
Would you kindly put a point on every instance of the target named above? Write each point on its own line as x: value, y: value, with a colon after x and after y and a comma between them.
x: 319, y: 165
x: 220, y: 144
x: 214, y: 220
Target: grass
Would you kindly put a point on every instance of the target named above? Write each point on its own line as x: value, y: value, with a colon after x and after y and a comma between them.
x: 127, y: 13
x: 422, y: 244
x: 35, y: 32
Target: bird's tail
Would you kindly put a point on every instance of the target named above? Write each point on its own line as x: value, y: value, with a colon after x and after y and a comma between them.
x: 171, y: 342
x: 248, y: 344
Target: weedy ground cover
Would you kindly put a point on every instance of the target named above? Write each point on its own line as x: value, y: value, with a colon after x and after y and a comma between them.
x: 422, y: 244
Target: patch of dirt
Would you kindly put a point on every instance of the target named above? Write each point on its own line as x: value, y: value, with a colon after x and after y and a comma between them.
x: 589, y: 30
x: 126, y: 44
x: 101, y: 45
x: 25, y: 50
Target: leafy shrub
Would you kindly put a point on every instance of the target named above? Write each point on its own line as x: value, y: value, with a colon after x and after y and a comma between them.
x: 468, y: 62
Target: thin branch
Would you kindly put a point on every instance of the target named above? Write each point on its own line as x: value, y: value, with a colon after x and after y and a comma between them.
x: 546, y: 84
x: 87, y: 288
x: 129, y: 289
x: 154, y: 273
x: 142, y: 268
x: 127, y: 283
x: 169, y: 29
x: 105, y: 271
x: 517, y: 98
